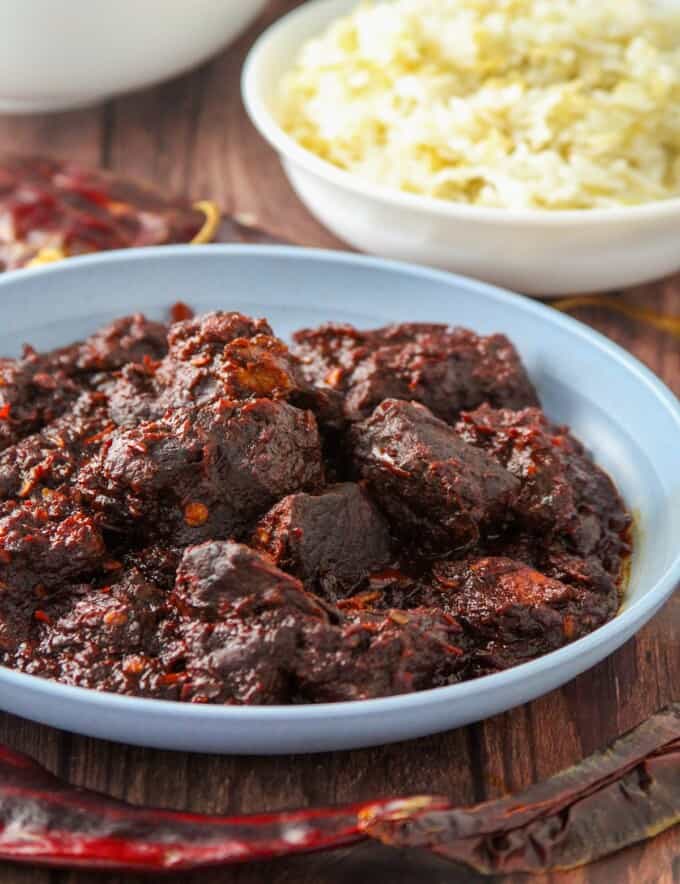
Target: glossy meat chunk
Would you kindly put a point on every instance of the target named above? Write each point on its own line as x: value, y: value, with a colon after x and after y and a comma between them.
x: 224, y: 355
x: 512, y: 611
x: 49, y: 458
x: 447, y: 369
x: 32, y: 393
x: 106, y: 638
x: 40, y: 548
x: 202, y: 473
x: 241, y: 624
x: 378, y: 655
x: 251, y: 634
x: 331, y: 541
x: 436, y: 489
x: 39, y: 387
x: 562, y: 490
x: 131, y: 338
x: 218, y: 355
x: 47, y: 544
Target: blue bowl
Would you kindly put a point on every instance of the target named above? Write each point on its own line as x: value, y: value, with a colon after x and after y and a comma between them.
x: 627, y: 417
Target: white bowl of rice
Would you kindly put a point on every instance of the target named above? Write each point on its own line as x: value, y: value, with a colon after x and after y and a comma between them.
x: 534, y: 144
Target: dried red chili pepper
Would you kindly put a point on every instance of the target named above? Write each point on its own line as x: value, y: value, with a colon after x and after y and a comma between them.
x: 50, y: 210
x: 614, y: 798
x: 47, y: 821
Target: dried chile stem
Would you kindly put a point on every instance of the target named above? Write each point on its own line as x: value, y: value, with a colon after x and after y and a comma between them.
x: 614, y: 798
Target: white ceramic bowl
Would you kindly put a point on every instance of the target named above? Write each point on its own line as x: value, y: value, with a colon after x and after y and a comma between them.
x: 623, y: 413
x: 55, y: 56
x: 532, y: 251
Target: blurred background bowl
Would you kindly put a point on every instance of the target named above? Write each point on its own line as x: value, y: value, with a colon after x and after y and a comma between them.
x: 537, y: 252
x: 55, y: 56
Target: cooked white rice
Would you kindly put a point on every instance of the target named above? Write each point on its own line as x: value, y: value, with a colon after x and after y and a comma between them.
x: 551, y: 104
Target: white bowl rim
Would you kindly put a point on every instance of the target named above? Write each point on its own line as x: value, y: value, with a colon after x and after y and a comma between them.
x: 606, y: 634
x: 284, y: 144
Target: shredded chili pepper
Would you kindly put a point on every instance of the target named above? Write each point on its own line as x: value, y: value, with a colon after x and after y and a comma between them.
x: 614, y: 798
x: 45, y: 820
x: 51, y: 210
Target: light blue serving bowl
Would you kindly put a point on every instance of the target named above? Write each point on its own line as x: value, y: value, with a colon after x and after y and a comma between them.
x: 627, y: 417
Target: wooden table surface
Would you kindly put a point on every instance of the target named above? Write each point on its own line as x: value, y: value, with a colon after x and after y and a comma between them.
x: 191, y: 135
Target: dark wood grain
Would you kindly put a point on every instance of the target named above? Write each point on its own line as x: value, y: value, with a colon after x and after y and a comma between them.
x: 191, y: 135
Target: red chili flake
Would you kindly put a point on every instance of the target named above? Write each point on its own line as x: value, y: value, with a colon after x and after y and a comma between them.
x: 180, y: 311
x: 111, y: 565
x: 334, y: 377
x: 115, y: 618
x: 42, y: 616
x: 196, y: 514
x: 173, y: 678
x: 97, y: 437
x: 27, y: 486
x: 263, y: 535
x: 133, y: 665
x: 360, y: 600
x: 4, y: 412
x: 569, y: 626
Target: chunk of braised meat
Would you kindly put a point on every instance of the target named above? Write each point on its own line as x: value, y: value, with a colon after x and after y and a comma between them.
x: 332, y: 540
x: 512, y: 612
x: 219, y: 578
x: 562, y: 490
x: 107, y: 638
x: 33, y: 392
x: 241, y: 624
x: 223, y: 355
x: 217, y: 355
x: 555, y: 560
x: 202, y: 473
x: 128, y: 339
x: 436, y: 489
x: 447, y: 369
x: 40, y: 549
x: 529, y: 447
x: 132, y: 394
x: 47, y: 544
x: 251, y: 634
x: 39, y: 387
x: 379, y: 655
x: 48, y: 459
x: 604, y: 526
